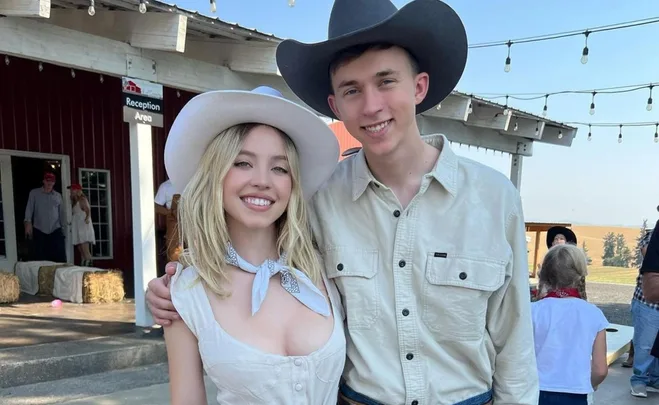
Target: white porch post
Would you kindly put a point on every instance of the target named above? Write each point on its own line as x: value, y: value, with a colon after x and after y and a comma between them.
x: 516, y: 170
x: 144, y: 236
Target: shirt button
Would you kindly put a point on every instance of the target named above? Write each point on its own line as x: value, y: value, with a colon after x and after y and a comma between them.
x: 409, y: 356
x: 298, y: 387
x: 396, y: 213
x: 406, y: 312
x: 463, y: 275
x: 339, y: 266
x: 298, y: 362
x: 401, y: 263
x: 415, y: 402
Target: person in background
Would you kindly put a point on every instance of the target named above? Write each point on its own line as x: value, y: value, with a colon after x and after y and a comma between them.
x: 82, y: 229
x: 567, y: 327
x: 166, y: 202
x: 45, y: 222
x: 645, y: 314
x: 558, y: 235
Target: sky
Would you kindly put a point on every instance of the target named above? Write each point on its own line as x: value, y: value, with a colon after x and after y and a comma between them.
x: 601, y: 182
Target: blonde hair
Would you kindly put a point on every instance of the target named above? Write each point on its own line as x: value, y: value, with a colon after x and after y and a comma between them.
x: 563, y: 267
x: 201, y: 217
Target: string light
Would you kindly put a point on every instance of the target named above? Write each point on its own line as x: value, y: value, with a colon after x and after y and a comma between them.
x: 537, y: 129
x: 470, y: 110
x: 73, y: 73
x: 649, y: 106
x: 506, y: 111
x: 516, y: 127
x: 584, y: 53
x: 91, y: 10
x: 7, y: 60
x: 544, y: 109
x: 560, y: 134
x: 101, y: 79
x: 592, y: 105
x: 619, y: 125
x: 506, y: 68
x: 142, y: 6
x: 620, y: 135
x: 40, y: 67
x: 213, y: 6
x: 439, y: 106
x: 656, y: 133
x: 590, y: 133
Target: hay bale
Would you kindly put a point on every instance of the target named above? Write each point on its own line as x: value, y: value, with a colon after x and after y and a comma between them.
x: 10, y: 289
x: 47, y: 278
x: 102, y: 286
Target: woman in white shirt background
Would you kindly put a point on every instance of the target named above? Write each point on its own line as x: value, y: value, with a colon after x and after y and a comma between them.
x: 258, y: 314
x: 569, y: 332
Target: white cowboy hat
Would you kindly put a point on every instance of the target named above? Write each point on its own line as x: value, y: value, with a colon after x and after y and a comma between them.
x: 208, y: 114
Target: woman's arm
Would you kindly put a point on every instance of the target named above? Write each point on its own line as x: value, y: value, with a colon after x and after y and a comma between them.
x: 84, y: 206
x: 599, y: 366
x: 186, y: 376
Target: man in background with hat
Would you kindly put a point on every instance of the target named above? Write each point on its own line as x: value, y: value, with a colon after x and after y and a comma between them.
x: 45, y: 222
x: 428, y: 249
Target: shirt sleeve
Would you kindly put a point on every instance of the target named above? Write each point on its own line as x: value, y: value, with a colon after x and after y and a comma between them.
x: 651, y: 259
x: 161, y: 195
x: 509, y: 323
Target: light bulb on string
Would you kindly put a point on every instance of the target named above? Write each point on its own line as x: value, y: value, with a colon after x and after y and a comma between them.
x: 101, y: 79
x: 560, y: 134
x: 544, y: 109
x: 142, y: 6
x: 439, y: 106
x: 516, y: 127
x: 291, y: 3
x: 40, y: 67
x: 590, y: 133
x: 537, y: 129
x: 656, y: 133
x: 620, y: 135
x: 584, y: 53
x: 649, y: 106
x: 506, y: 111
x: 592, y: 105
x: 506, y: 67
x: 91, y: 10
x: 73, y: 73
x: 6, y: 60
x: 470, y: 110
x: 213, y: 6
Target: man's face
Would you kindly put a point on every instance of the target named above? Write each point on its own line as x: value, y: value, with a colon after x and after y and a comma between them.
x: 48, y: 184
x: 375, y: 95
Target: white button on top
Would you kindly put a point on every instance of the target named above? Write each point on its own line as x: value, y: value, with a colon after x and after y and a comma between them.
x: 298, y: 362
x: 298, y: 387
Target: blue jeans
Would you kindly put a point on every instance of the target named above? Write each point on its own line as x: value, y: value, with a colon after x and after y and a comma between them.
x: 646, y: 325
x: 561, y: 398
x: 352, y: 395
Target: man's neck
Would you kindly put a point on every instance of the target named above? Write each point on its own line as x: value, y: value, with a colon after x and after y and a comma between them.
x: 406, y: 165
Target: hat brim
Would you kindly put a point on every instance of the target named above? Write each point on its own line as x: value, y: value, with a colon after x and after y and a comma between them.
x: 205, y: 116
x: 570, y: 236
x: 430, y: 30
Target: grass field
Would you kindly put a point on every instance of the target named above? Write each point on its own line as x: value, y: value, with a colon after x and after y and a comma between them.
x: 613, y: 275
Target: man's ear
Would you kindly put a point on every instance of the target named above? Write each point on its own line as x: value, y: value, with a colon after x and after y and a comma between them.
x: 422, y: 83
x: 331, y: 100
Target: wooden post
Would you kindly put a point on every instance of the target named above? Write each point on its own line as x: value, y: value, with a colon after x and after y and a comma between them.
x: 535, y: 253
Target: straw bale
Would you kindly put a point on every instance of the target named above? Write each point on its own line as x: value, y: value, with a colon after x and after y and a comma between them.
x: 47, y: 278
x: 102, y: 286
x: 9, y: 288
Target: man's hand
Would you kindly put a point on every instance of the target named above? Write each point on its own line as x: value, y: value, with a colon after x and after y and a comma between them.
x: 28, y: 230
x: 159, y: 300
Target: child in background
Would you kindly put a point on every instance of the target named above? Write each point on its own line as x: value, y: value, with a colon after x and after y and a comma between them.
x: 569, y: 333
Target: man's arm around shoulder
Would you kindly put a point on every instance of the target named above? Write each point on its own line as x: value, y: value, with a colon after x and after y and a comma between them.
x: 510, y: 325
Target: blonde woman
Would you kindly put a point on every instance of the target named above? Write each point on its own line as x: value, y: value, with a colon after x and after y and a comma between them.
x: 258, y: 315
x: 569, y: 333
x: 82, y: 229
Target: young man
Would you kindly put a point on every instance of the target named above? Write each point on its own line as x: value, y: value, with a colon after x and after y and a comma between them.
x: 45, y: 221
x: 428, y: 249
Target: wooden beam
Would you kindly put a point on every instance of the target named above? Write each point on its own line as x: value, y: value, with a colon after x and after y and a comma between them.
x: 558, y: 136
x: 487, y: 138
x: 25, y: 8
x: 245, y: 57
x: 454, y: 107
x: 485, y: 116
x: 157, y: 31
x: 37, y: 40
x: 526, y: 128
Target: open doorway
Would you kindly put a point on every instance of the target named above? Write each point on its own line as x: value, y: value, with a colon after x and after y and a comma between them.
x: 27, y: 174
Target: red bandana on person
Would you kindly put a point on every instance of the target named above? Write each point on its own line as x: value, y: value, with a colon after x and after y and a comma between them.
x: 563, y: 293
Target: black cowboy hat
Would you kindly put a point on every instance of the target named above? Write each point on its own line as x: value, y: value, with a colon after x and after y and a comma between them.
x: 428, y: 29
x: 570, y: 237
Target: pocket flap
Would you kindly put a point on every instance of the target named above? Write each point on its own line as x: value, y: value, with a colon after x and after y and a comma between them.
x: 469, y: 272
x: 350, y: 262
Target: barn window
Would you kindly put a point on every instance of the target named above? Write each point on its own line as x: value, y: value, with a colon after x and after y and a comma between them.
x: 97, y: 187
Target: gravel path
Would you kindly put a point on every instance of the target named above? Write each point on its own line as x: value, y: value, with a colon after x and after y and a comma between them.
x: 613, y: 299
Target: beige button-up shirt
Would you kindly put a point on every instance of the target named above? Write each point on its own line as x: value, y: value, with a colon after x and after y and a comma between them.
x: 436, y: 294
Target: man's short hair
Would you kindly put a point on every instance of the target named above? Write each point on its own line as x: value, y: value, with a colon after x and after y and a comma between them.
x: 349, y: 54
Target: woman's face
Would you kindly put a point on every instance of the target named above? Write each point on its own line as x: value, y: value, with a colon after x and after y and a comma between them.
x: 258, y: 185
x: 559, y: 240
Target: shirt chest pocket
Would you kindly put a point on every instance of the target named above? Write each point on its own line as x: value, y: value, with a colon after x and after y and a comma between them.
x: 353, y: 271
x: 456, y: 292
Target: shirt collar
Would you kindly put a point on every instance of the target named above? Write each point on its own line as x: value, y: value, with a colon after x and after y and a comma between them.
x: 445, y: 170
